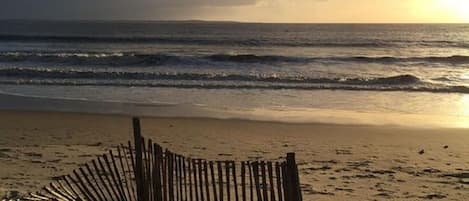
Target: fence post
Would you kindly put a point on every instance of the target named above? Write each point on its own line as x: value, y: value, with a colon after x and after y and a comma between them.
x: 294, y: 190
x: 138, y: 159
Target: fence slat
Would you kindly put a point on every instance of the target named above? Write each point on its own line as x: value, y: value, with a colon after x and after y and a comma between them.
x: 293, y: 179
x: 176, y: 170
x: 59, y: 192
x: 207, y: 184
x: 79, y: 183
x: 285, y: 182
x: 191, y: 192
x: 214, y: 182
x: 72, y: 194
x: 271, y: 181
x: 100, y: 173
x: 118, y: 177
x: 255, y: 169
x: 54, y: 193
x: 88, y: 182
x: 92, y: 174
x: 115, y: 185
x: 186, y: 196
x: 235, y: 181
x: 201, y: 182
x: 171, y: 176
x: 251, y: 182
x: 196, y: 189
x: 228, y: 189
x: 243, y: 181
x: 165, y: 175
x: 158, y: 165
x: 149, y: 162
x: 130, y: 168
x: 179, y: 161
x: 124, y: 174
x: 279, y: 181
x: 264, y: 182
x: 220, y: 180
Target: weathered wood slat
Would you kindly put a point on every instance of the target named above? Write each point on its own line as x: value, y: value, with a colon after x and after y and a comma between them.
x: 207, y: 183
x: 255, y: 169
x: 59, y: 196
x: 115, y: 183
x: 201, y: 182
x: 170, y: 176
x: 180, y: 178
x: 189, y: 164
x: 100, y: 173
x: 71, y: 194
x: 184, y: 167
x: 227, y: 174
x: 125, y: 179
x: 264, y: 182
x: 60, y: 191
x: 285, y: 182
x: 88, y: 183
x: 74, y: 190
x: 138, y: 159
x: 271, y: 181
x: 235, y: 180
x: 83, y: 189
x: 132, y: 169
x: 214, y: 182
x: 243, y: 181
x: 40, y: 197
x: 157, y: 173
x: 251, y: 182
x: 165, y: 175
x: 279, y: 181
x: 220, y: 180
x: 117, y: 173
x: 95, y: 182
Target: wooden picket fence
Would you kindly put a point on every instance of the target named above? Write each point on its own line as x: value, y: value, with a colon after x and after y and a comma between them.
x: 147, y: 172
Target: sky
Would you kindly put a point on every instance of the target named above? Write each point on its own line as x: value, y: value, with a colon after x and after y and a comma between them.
x: 300, y: 11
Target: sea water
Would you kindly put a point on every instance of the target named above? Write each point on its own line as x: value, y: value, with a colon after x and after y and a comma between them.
x: 404, y: 74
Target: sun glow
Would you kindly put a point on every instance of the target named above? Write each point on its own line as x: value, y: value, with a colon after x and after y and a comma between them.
x: 455, y: 8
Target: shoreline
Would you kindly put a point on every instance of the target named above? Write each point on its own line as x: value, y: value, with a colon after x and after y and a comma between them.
x: 288, y: 115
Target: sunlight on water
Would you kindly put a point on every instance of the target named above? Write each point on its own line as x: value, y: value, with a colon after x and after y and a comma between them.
x: 465, y: 76
x: 465, y: 106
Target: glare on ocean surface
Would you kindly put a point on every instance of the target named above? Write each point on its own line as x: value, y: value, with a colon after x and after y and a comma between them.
x: 465, y: 108
x: 465, y: 76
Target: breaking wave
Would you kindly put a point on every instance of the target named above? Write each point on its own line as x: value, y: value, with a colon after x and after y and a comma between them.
x: 72, y: 74
x: 130, y: 59
x: 219, y: 81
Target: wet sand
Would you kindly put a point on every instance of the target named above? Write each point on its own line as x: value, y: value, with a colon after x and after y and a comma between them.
x: 336, y: 162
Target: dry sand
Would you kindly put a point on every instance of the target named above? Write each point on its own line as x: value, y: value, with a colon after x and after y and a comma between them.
x: 336, y: 162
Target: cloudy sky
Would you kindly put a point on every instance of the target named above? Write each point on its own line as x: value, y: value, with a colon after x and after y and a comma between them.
x: 241, y: 10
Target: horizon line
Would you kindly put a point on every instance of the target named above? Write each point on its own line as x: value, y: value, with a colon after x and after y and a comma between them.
x: 217, y: 21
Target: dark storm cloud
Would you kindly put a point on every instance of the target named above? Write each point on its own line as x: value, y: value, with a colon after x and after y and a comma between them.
x: 110, y: 9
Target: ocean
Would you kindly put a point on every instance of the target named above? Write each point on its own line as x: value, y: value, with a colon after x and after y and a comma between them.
x: 397, y: 74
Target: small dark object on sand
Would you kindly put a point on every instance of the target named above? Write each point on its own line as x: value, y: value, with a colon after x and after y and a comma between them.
x: 422, y: 151
x: 97, y: 144
x: 446, y: 147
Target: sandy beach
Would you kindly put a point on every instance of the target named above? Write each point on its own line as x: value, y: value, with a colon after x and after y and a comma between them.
x: 336, y: 162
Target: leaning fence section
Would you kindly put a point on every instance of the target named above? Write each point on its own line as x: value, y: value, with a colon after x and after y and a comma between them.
x: 145, y: 171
